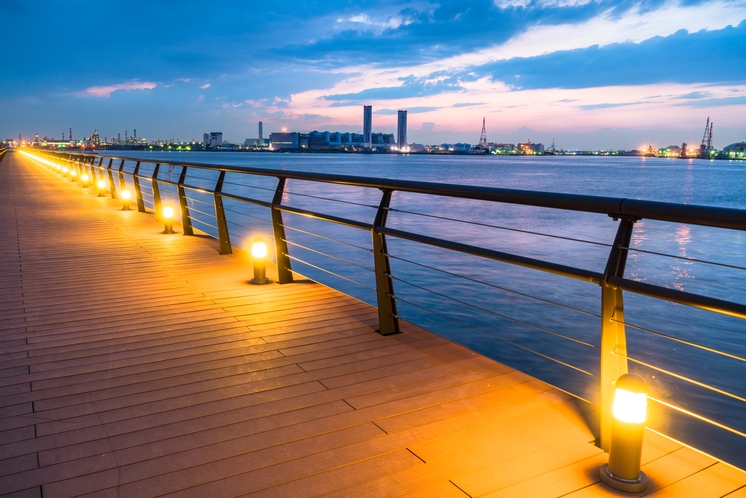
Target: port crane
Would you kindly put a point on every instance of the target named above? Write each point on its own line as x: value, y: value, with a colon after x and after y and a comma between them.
x: 706, y: 146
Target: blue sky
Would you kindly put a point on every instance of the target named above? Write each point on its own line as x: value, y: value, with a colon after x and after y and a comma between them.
x: 584, y: 73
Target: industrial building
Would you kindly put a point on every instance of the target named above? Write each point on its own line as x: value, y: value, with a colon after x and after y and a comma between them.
x: 212, y: 139
x: 734, y: 151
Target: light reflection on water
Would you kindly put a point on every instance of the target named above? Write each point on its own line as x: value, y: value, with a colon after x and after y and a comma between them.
x: 499, y: 323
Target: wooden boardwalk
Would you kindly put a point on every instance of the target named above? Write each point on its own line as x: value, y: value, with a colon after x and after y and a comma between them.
x: 140, y: 364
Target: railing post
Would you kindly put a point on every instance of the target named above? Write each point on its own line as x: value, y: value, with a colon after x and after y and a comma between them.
x: 138, y: 193
x: 613, y: 334
x: 186, y: 221
x: 122, y: 183
x: 223, y: 233
x: 157, y: 194
x: 112, y: 187
x: 388, y: 319
x: 284, y: 274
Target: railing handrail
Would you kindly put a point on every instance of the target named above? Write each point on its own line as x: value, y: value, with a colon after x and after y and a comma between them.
x: 712, y: 216
x: 612, y: 281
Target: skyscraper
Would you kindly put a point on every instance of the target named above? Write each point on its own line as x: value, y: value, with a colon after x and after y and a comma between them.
x: 261, y: 135
x: 401, y: 130
x: 368, y: 125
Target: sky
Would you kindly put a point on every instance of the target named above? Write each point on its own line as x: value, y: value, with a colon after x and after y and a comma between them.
x: 588, y: 74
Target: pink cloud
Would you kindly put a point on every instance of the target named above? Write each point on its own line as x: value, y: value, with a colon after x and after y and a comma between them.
x: 106, y: 91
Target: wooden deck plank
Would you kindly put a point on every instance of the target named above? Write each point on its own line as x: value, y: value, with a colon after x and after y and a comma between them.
x: 137, y: 364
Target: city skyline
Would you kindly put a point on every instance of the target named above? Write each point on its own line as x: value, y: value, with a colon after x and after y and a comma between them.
x: 582, y: 73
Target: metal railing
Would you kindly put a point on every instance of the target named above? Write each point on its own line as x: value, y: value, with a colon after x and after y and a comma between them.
x: 612, y: 353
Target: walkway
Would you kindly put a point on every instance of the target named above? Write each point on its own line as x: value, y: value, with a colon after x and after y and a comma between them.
x: 140, y: 364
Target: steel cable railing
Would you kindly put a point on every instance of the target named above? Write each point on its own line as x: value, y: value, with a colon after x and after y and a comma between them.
x: 341, y: 260
x: 294, y: 258
x: 331, y: 239
x: 481, y: 282
x: 685, y: 258
x: 176, y: 182
x: 682, y: 341
x: 501, y: 339
x: 488, y: 225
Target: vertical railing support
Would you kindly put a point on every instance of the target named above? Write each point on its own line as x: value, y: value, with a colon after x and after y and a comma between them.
x: 388, y: 320
x: 613, y: 334
x: 138, y: 192
x: 186, y: 221
x: 157, y: 194
x: 223, y: 234
x: 122, y: 183
x: 284, y: 274
x: 100, y: 170
x: 112, y: 187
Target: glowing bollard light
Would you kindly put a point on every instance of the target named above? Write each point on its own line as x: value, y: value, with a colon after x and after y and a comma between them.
x: 64, y: 171
x: 126, y: 200
x: 59, y: 168
x: 259, y: 255
x: 73, y: 175
x: 627, y: 430
x: 168, y: 220
x: 84, y: 179
x: 101, y: 188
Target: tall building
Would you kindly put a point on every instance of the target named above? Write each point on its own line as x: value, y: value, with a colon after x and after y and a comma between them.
x: 368, y: 125
x: 401, y: 130
x: 261, y: 133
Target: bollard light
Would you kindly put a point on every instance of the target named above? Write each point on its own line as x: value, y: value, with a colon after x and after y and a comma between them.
x: 101, y: 188
x: 125, y: 200
x: 59, y: 168
x: 73, y: 175
x: 627, y: 429
x: 64, y: 171
x: 84, y: 179
x: 259, y: 256
x: 168, y: 220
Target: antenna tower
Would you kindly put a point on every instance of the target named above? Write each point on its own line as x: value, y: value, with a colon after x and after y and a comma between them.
x: 483, y: 137
x: 70, y: 137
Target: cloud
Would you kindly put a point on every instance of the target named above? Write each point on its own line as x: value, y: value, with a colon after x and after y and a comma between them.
x: 511, y: 4
x: 591, y: 107
x: 467, y: 104
x: 410, y: 87
x: 695, y: 95
x: 106, y: 91
x: 392, y: 22
x: 683, y: 57
x: 206, y: 85
x: 410, y: 110
x: 728, y: 101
